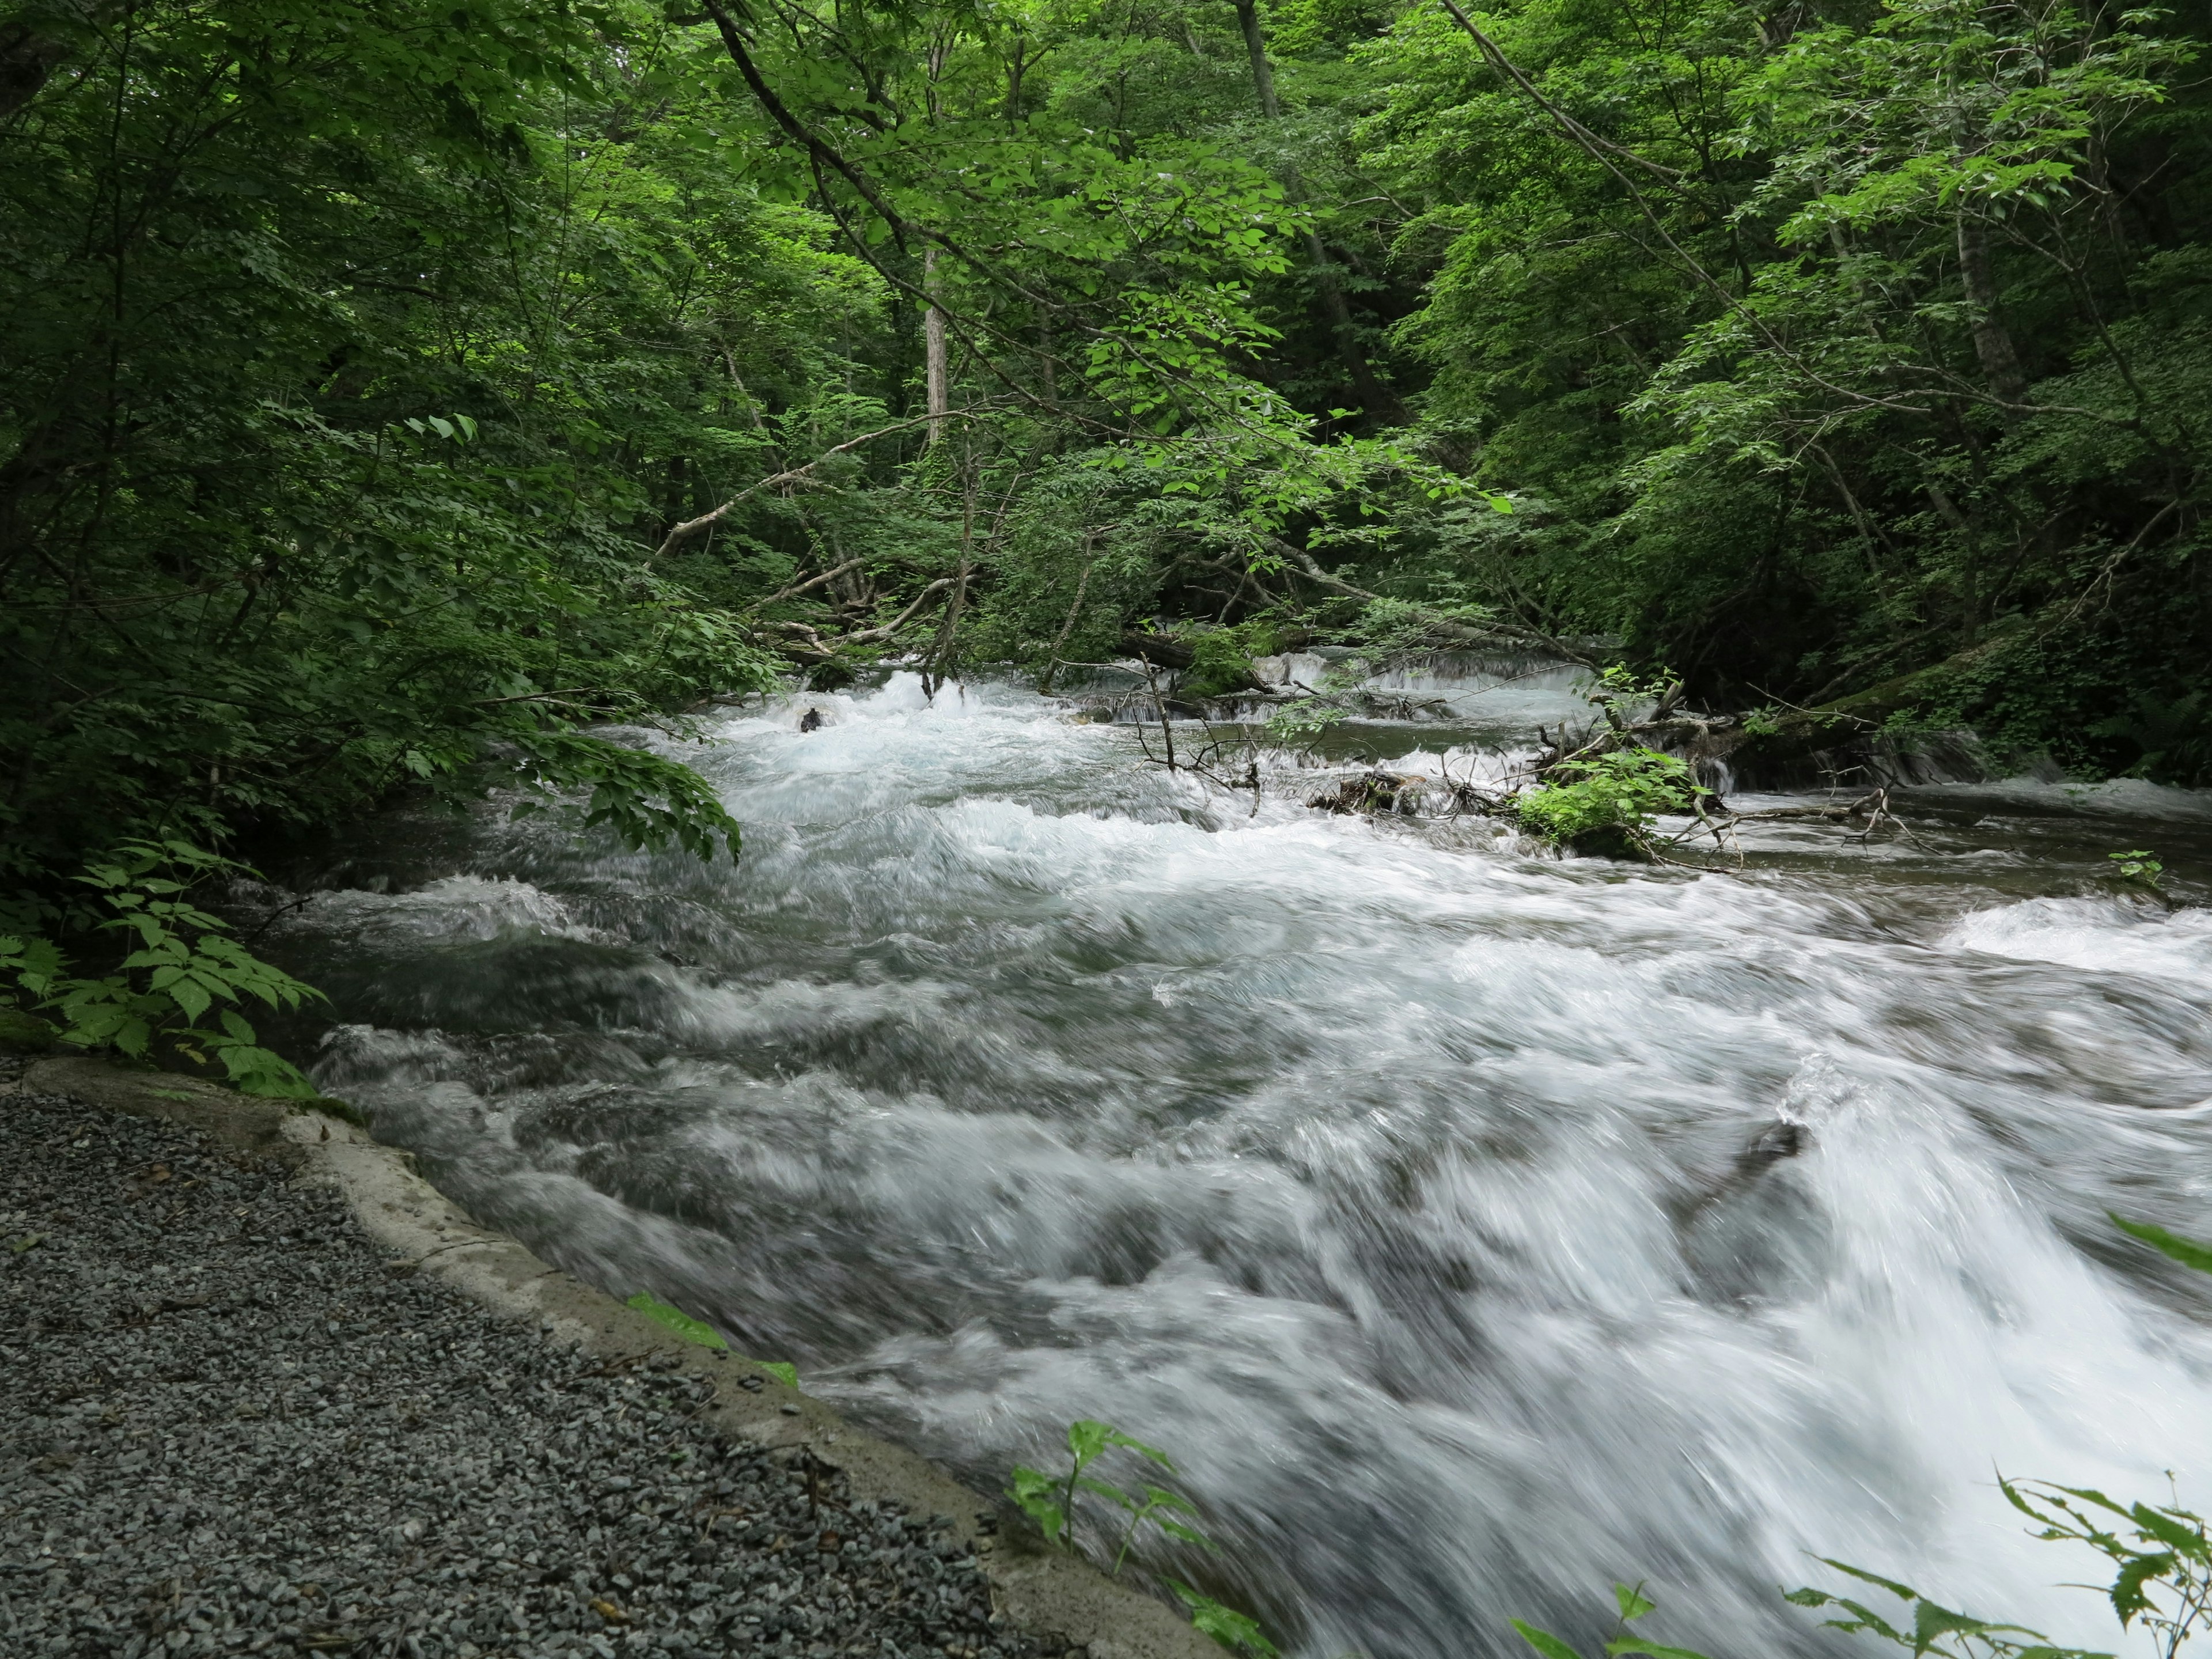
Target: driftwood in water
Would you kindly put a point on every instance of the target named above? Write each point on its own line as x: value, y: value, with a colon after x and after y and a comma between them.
x: 1370, y: 792
x: 1404, y: 794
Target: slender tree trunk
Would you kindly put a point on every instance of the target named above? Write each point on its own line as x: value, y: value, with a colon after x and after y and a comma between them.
x: 1074, y: 611
x: 1048, y: 360
x: 1263, y: 72
x: 937, y: 367
x: 1992, y: 340
x: 1970, y: 560
x: 1380, y: 403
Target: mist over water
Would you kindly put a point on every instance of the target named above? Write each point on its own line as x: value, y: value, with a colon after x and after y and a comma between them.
x: 1474, y: 1228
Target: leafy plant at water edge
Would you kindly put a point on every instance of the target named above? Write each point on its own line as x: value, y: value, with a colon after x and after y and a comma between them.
x: 2138, y: 867
x: 1219, y: 664
x: 185, y: 967
x: 1621, y: 793
x: 1232, y: 1629
x: 698, y: 1331
x: 691, y: 1329
x: 1932, y: 1628
x: 1049, y: 1500
x: 1632, y: 1605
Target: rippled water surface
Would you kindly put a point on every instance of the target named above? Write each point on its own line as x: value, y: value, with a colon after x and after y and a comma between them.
x: 1475, y: 1229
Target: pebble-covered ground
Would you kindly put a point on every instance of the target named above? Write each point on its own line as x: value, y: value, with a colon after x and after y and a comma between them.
x: 227, y: 1425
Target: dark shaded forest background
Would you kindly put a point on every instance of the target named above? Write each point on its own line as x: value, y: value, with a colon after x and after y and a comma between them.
x: 397, y: 392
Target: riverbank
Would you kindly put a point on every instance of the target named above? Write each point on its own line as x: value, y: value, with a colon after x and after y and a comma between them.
x: 270, y: 1395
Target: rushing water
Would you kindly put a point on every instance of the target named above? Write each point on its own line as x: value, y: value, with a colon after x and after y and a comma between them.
x: 1475, y: 1229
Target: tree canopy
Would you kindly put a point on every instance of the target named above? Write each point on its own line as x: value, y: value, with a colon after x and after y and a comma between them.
x: 393, y: 393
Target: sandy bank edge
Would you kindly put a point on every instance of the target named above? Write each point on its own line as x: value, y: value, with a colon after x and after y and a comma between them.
x: 1038, y: 1589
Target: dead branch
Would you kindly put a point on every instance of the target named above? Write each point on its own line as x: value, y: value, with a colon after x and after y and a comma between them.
x: 691, y: 527
x: 901, y: 619
x: 812, y: 581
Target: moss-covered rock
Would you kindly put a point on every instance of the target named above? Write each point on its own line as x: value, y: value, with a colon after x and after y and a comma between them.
x: 22, y: 1033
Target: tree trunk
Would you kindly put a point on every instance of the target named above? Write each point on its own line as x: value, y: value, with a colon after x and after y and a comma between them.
x: 937, y: 367
x: 1992, y: 340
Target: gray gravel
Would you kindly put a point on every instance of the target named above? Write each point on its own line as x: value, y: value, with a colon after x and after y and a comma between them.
x: 228, y: 1426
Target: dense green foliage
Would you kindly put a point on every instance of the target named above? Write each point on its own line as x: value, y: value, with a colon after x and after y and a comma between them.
x: 398, y: 394
x: 178, y: 965
x: 1617, y: 794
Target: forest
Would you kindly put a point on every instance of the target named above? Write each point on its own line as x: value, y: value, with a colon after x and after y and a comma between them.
x: 396, y: 394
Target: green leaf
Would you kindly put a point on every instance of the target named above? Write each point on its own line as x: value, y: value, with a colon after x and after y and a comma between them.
x: 1086, y: 1439
x: 1116, y: 1437
x: 1633, y: 1605
x: 1903, y: 1592
x: 1931, y: 1622
x: 1187, y: 1535
x: 2181, y: 1538
x: 257, y: 1071
x: 2186, y: 1251
x: 2128, y: 1596
x: 191, y: 997
x: 1233, y: 1630
x: 691, y: 1329
x: 1545, y: 1643
x: 1037, y: 1496
x: 1630, y: 1644
x: 782, y: 1369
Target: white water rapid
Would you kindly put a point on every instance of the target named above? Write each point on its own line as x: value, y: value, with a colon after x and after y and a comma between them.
x: 1474, y: 1228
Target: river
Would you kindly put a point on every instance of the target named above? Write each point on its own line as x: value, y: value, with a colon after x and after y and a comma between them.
x: 1474, y: 1228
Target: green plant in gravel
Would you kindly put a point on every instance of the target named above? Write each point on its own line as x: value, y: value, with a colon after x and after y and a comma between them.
x: 1049, y: 1500
x: 157, y: 1000
x: 1615, y: 794
x: 2161, y: 1556
x: 691, y: 1329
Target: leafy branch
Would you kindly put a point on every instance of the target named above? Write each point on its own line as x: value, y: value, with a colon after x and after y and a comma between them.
x: 186, y: 966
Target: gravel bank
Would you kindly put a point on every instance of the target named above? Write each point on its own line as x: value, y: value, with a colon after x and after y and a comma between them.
x: 230, y: 1428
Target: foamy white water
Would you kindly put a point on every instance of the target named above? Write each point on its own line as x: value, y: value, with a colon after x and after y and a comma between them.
x: 1474, y: 1228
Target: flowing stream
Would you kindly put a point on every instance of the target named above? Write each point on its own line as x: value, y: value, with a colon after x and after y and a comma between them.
x: 1474, y: 1228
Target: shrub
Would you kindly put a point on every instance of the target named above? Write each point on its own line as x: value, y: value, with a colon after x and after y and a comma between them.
x: 155, y: 1002
x: 1608, y: 797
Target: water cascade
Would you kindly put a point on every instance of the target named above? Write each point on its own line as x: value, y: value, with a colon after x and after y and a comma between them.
x: 1475, y: 1228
